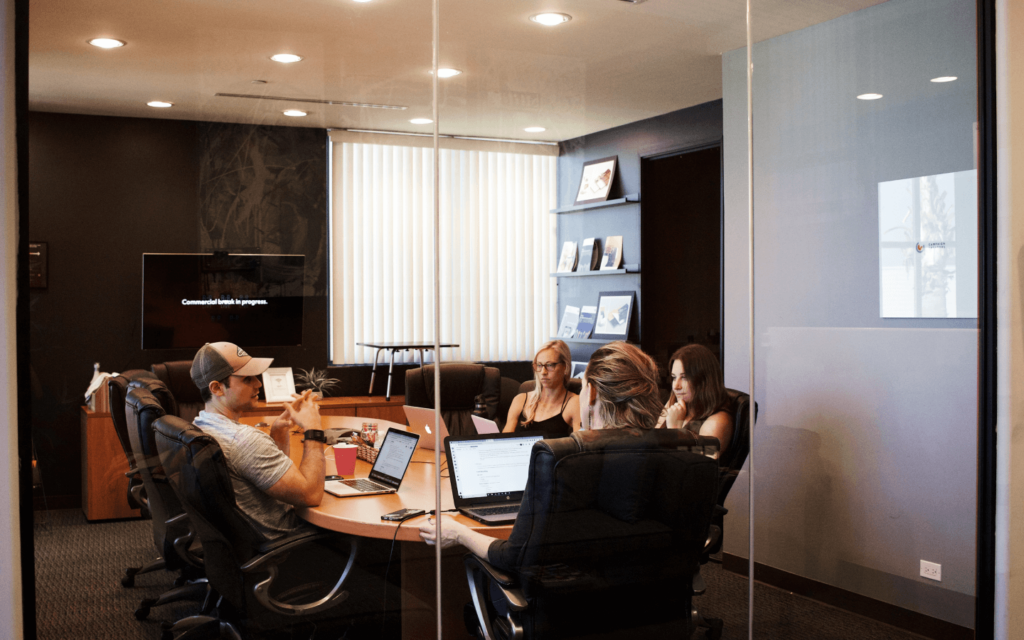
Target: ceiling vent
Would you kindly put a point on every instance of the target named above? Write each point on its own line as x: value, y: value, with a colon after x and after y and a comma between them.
x: 338, y: 103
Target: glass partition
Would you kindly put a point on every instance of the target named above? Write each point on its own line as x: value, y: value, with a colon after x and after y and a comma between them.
x: 865, y: 317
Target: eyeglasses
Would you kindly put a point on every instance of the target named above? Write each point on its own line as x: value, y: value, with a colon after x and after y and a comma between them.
x: 545, y: 366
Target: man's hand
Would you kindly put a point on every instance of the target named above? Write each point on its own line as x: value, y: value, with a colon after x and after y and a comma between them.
x: 281, y: 431
x: 303, y: 412
x: 454, y: 533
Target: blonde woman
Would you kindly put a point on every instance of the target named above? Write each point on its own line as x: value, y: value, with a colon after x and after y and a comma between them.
x: 550, y: 407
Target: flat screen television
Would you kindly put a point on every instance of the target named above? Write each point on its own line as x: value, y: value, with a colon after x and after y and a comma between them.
x: 189, y: 299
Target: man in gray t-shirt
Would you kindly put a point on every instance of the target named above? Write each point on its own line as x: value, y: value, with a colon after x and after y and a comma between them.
x: 267, y: 484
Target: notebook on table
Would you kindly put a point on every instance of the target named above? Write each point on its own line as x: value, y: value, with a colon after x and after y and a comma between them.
x: 483, y: 425
x: 421, y: 421
x: 388, y: 470
x: 488, y: 474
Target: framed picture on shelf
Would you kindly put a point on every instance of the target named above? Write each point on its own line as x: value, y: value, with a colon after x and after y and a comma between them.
x: 278, y: 384
x: 577, y: 369
x: 596, y: 181
x: 614, y: 312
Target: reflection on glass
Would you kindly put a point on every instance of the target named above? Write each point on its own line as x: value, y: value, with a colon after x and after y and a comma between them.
x: 918, y: 252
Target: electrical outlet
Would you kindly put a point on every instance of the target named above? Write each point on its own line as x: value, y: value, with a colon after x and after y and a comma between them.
x: 931, y: 570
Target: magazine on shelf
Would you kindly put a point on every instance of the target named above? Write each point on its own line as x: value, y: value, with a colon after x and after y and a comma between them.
x: 567, y: 262
x: 590, y: 256
x: 612, y: 253
x: 588, y: 316
x: 569, y: 319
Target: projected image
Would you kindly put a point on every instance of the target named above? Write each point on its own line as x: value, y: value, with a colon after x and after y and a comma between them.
x: 927, y: 246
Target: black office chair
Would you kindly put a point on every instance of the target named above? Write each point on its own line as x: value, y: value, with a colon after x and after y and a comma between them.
x: 118, y: 389
x: 610, y: 531
x: 172, y: 534
x: 260, y: 585
x: 729, y: 466
x: 464, y: 386
x: 177, y: 377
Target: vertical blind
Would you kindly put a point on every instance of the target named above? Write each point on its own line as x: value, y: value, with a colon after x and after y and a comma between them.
x: 497, y: 248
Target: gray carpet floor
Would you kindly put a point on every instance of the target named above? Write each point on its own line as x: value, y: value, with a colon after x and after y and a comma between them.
x: 79, y: 594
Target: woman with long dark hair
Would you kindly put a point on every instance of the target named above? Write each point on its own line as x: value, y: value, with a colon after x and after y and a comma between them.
x: 698, y: 401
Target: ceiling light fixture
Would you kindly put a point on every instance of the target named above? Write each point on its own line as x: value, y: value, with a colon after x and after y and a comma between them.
x: 286, y: 58
x: 534, y: 129
x: 294, y: 113
x: 869, y: 96
x: 421, y: 121
x: 446, y: 73
x: 107, y: 43
x: 160, y: 104
x: 551, y: 19
x: 360, y: 0
x: 944, y: 79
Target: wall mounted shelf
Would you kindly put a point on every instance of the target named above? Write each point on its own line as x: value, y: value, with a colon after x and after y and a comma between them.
x: 627, y: 199
x: 607, y: 272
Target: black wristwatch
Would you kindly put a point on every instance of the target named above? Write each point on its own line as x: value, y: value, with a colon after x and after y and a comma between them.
x: 314, y: 434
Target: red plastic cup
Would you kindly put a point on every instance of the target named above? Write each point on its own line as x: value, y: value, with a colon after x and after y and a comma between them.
x: 345, y: 459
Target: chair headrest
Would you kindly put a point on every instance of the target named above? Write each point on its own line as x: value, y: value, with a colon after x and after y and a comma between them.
x: 574, y: 386
x: 177, y: 375
x: 156, y: 391
x: 461, y: 383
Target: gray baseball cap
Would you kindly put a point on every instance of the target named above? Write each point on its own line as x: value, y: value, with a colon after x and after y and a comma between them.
x: 218, y: 360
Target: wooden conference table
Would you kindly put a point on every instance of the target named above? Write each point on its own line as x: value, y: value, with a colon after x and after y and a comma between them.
x: 360, y: 516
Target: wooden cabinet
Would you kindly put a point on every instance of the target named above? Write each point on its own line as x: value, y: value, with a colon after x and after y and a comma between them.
x: 104, y: 485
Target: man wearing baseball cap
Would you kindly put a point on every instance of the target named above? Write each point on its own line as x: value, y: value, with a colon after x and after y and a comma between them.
x: 267, y: 483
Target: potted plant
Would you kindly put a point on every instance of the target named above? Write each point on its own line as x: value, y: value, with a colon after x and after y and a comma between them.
x: 317, y: 380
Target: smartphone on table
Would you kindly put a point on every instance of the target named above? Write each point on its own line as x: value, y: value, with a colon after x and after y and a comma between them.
x: 402, y: 514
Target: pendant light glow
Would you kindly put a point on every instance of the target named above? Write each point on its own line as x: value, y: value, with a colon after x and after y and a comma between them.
x: 421, y: 121
x: 534, y: 129
x: 446, y: 73
x: 944, y: 79
x: 160, y: 104
x: 286, y: 58
x: 869, y: 96
x: 294, y: 113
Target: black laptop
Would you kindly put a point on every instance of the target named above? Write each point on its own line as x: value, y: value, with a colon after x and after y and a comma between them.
x: 489, y: 473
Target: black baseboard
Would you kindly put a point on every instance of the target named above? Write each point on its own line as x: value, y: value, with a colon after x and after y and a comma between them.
x: 848, y: 601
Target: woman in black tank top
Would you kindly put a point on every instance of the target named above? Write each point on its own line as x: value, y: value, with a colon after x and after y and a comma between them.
x: 550, y: 407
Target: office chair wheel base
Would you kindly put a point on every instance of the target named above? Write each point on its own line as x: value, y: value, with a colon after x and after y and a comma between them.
x: 714, y: 631
x: 129, y: 578
x: 143, y: 611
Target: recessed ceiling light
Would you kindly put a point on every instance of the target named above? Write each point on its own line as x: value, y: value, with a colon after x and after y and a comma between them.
x: 294, y: 113
x: 869, y: 96
x: 944, y: 79
x: 160, y: 104
x: 421, y: 121
x: 446, y: 73
x: 285, y: 57
x: 360, y: 0
x: 107, y: 43
x: 551, y: 19
x: 534, y: 129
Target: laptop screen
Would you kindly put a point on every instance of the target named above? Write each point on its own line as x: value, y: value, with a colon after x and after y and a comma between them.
x: 490, y: 467
x: 394, y: 456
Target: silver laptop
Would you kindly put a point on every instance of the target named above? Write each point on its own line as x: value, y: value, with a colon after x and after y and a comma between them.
x: 387, y: 472
x: 421, y: 422
x: 483, y: 425
x: 489, y: 473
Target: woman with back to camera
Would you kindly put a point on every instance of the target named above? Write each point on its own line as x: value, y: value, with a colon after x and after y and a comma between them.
x: 550, y: 407
x: 620, y: 391
x: 698, y: 401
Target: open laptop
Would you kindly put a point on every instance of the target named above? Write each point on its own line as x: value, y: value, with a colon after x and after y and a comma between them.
x: 387, y: 472
x: 489, y: 473
x: 421, y: 422
x: 483, y: 425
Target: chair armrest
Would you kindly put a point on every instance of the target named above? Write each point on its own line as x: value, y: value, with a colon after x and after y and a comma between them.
x: 272, y: 553
x: 183, y: 542
x: 509, y: 585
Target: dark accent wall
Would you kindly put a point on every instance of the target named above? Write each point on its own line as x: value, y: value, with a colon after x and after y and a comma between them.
x: 105, y: 190
x: 692, y: 128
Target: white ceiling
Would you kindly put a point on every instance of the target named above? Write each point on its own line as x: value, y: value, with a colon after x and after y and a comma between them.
x: 612, y: 64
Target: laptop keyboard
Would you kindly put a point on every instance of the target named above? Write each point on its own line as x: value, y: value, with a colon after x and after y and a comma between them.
x: 361, y: 484
x: 497, y: 511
